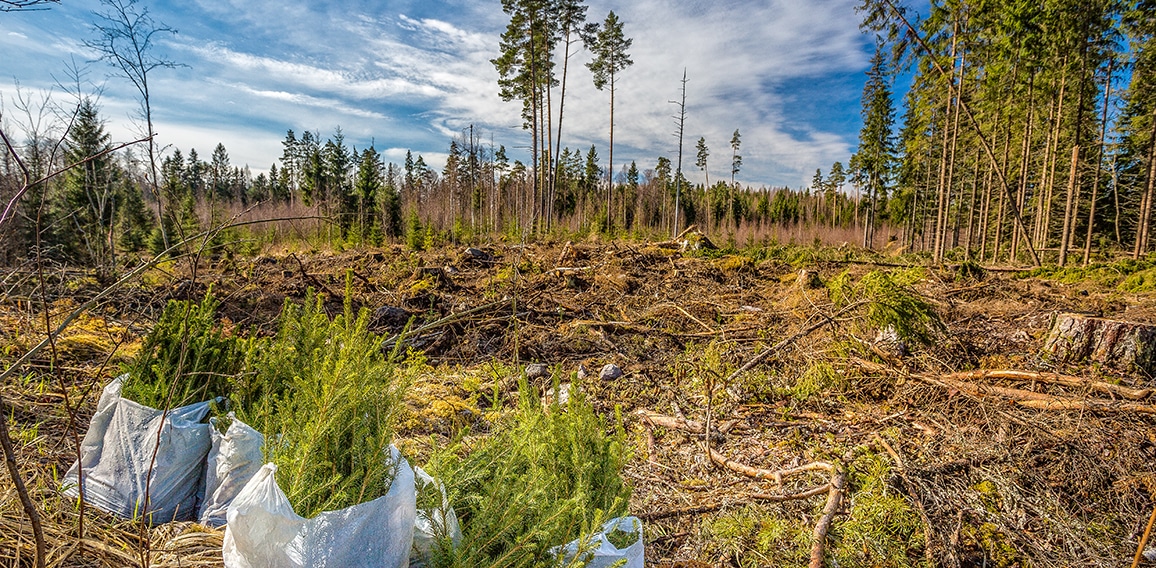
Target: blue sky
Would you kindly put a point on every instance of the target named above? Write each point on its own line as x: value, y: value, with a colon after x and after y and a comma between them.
x: 410, y: 74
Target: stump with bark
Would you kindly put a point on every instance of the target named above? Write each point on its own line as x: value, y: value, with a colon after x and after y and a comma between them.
x: 1124, y: 345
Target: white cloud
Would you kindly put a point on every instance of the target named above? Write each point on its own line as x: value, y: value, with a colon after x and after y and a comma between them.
x: 411, y: 74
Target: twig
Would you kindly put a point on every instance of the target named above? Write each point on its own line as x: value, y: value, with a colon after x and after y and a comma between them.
x: 680, y: 512
x: 1144, y: 539
x: 18, y: 481
x: 827, y: 320
x: 931, y: 539
x: 834, y: 498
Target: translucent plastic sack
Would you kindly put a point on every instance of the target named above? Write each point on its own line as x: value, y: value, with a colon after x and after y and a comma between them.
x: 234, y: 458
x: 605, y: 554
x: 117, y: 457
x: 264, y: 532
x: 433, y: 523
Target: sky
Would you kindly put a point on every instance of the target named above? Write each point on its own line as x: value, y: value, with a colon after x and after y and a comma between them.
x: 410, y: 75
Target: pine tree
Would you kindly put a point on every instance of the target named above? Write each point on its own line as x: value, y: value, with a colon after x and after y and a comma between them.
x: 609, y: 47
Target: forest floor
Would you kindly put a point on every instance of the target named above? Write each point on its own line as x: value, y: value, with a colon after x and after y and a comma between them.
x: 934, y: 467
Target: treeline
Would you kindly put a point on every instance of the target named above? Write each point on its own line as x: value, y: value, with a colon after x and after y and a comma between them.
x: 1028, y: 131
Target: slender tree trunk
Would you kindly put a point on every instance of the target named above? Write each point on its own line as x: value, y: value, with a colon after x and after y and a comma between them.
x: 1099, y: 167
x: 1072, y: 201
x: 1055, y: 157
x: 1141, y: 245
x: 948, y: 151
x: 610, y: 172
x: 1025, y: 162
x: 971, y: 210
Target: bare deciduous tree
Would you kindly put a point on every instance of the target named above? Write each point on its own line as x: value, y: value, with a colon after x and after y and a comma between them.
x: 126, y: 39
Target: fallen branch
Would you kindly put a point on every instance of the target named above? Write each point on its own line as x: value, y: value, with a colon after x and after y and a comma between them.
x: 1018, y: 397
x: 834, y: 498
x: 679, y: 423
x: 766, y: 474
x: 827, y: 320
x: 1053, y: 378
x: 779, y: 498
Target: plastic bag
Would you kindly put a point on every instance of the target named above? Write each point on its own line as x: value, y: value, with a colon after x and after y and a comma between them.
x: 264, y: 532
x: 434, y: 523
x: 234, y: 458
x: 605, y: 554
x: 117, y: 456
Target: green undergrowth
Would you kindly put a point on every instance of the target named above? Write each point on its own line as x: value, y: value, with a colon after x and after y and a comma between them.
x: 187, y: 357
x: 545, y: 475
x: 1127, y: 275
x: 892, y: 303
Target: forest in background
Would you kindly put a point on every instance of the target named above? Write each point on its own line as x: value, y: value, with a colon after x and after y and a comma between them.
x: 1026, y: 136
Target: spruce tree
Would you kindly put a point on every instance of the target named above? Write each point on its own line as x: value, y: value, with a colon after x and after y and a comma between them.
x: 875, y: 158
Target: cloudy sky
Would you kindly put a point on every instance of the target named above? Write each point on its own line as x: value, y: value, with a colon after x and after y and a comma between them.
x: 410, y: 74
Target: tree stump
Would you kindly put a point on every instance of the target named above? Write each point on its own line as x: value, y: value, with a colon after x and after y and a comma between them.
x: 1124, y: 345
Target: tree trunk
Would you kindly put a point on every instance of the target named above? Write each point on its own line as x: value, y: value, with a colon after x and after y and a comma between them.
x: 1099, y: 166
x: 1141, y: 245
x: 944, y: 188
x: 1128, y: 346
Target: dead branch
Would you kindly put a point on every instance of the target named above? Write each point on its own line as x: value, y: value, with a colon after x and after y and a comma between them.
x: 1019, y: 397
x: 766, y: 474
x: 1054, y: 378
x: 680, y: 512
x: 679, y: 423
x: 18, y: 482
x: 779, y: 498
x: 931, y: 549
x: 834, y: 498
x: 1144, y: 539
x: 827, y: 320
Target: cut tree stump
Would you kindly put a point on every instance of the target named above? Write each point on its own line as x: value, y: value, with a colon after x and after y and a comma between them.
x: 1121, y: 344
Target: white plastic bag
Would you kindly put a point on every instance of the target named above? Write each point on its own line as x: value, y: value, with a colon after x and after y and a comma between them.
x: 606, y: 554
x: 234, y: 458
x: 434, y: 523
x: 264, y: 532
x: 117, y: 458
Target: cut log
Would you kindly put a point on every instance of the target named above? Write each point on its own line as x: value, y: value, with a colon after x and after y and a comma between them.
x: 1128, y: 346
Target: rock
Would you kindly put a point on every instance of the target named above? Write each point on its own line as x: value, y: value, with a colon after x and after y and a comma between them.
x: 582, y: 372
x: 1129, y: 346
x: 888, y: 341
x: 476, y: 256
x: 561, y: 396
x: 610, y: 372
x: 808, y: 280
x: 537, y: 371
